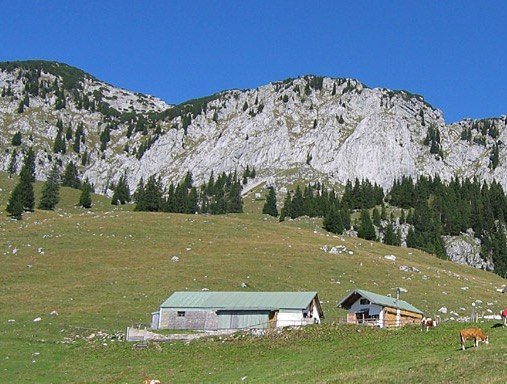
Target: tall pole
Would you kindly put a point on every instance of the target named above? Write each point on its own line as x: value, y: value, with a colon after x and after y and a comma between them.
x: 397, y: 307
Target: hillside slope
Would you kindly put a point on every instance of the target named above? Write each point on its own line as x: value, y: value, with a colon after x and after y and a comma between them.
x: 108, y: 268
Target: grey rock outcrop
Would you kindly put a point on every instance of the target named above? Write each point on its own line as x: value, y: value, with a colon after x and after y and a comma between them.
x: 465, y: 249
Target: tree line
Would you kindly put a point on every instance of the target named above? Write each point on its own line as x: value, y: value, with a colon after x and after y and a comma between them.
x: 219, y: 196
x: 22, y: 197
x: 431, y: 207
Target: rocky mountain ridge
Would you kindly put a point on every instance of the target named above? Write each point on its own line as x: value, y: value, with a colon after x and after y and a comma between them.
x: 319, y: 128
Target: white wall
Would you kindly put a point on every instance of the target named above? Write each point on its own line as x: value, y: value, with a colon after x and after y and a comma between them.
x: 285, y: 319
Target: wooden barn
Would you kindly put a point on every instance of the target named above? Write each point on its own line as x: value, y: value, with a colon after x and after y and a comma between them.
x: 366, y: 307
x: 208, y: 310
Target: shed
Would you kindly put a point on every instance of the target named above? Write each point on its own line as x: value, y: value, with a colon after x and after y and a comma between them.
x: 366, y: 307
x: 207, y: 310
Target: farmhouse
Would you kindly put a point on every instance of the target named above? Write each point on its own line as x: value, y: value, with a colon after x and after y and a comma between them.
x: 366, y: 307
x: 237, y: 310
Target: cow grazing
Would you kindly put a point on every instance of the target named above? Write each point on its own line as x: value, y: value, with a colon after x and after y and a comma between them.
x: 427, y: 323
x: 472, y: 333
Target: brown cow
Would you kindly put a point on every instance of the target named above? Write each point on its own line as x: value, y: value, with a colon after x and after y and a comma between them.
x: 472, y: 333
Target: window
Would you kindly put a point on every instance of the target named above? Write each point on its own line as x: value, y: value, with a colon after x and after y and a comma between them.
x: 364, y: 301
x: 181, y: 313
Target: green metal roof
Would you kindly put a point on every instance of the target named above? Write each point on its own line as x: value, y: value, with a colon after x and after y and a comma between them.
x: 240, y: 300
x: 375, y: 298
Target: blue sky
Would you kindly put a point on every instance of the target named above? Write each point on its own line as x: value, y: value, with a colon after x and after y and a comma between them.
x: 454, y: 53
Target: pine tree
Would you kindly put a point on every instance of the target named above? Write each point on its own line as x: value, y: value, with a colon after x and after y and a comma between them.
x: 121, y: 191
x: 297, y: 205
x: 270, y: 204
x: 411, y: 238
x: 59, y: 145
x: 28, y: 167
x: 15, y: 204
x: 383, y: 212
x: 193, y: 201
x: 68, y: 132
x: 402, y: 217
x: 85, y: 199
x: 287, y: 207
x: 24, y: 189
x: 235, y: 202
x: 366, y: 229
x: 78, y: 135
x: 390, y: 236
x: 50, y: 191
x: 71, y: 176
x: 333, y: 221
x: 12, y: 168
x: 376, y: 217
x: 16, y: 139
x: 149, y: 197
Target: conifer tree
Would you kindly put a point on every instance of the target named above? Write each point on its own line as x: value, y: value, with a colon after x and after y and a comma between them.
x: 12, y: 168
x: 59, y: 145
x: 76, y: 146
x: 287, y: 207
x: 411, y: 238
x: 85, y: 199
x: 390, y: 236
x: 333, y: 221
x: 16, y: 139
x: 366, y: 229
x: 270, y: 204
x: 15, y: 204
x: 121, y: 191
x: 149, y: 197
x: 402, y: 217
x: 383, y: 212
x: 235, y: 202
x: 376, y: 217
x: 50, y: 191
x: 68, y: 132
x: 24, y: 189
x: 192, y: 201
x: 71, y: 176
x: 297, y: 205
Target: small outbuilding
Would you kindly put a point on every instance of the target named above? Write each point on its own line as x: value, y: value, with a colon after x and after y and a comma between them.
x: 366, y: 307
x: 208, y: 310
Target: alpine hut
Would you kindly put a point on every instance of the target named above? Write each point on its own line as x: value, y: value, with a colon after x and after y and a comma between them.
x: 366, y: 307
x: 207, y: 310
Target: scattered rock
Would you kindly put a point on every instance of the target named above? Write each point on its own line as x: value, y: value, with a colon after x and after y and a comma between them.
x: 205, y: 289
x: 53, y: 313
x: 464, y: 288
x: 11, y: 321
x: 244, y: 285
x: 37, y: 319
x: 443, y: 310
x: 390, y: 257
x: 175, y: 259
x: 406, y: 268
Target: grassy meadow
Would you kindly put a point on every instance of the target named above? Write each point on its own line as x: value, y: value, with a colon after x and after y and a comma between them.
x: 108, y: 268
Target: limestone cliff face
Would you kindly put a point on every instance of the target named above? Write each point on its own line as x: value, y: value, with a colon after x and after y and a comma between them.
x: 327, y: 129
